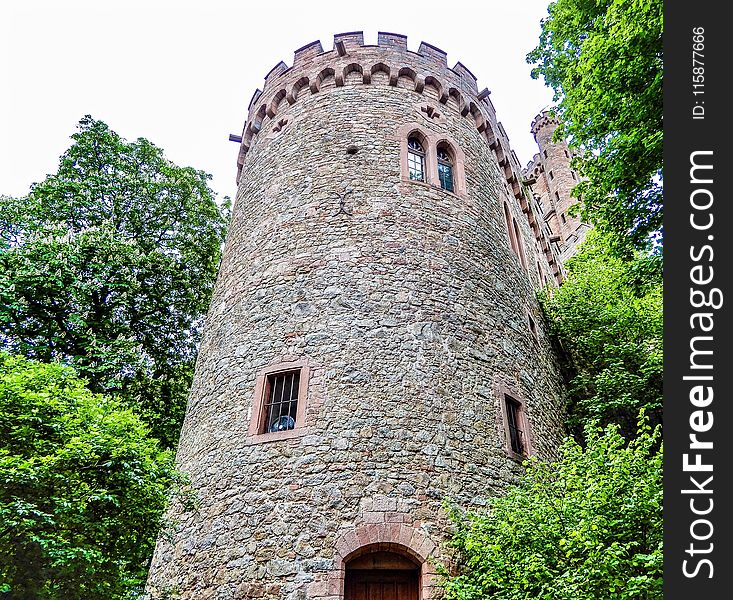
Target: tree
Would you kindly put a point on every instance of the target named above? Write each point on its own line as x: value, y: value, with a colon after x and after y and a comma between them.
x: 588, y: 526
x: 604, y: 62
x: 108, y: 265
x: 82, y: 487
x: 607, y: 317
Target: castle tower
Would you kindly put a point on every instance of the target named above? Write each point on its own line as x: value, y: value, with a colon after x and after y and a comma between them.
x: 373, y: 346
x: 552, y: 180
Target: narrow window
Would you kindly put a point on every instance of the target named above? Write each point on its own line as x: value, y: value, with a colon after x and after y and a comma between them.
x: 520, y: 247
x: 573, y: 174
x: 281, y: 401
x: 545, y: 153
x: 445, y: 169
x: 513, y: 417
x: 557, y: 196
x: 562, y: 216
x: 509, y: 230
x: 566, y: 154
x: 532, y: 327
x: 415, y: 159
x: 551, y: 175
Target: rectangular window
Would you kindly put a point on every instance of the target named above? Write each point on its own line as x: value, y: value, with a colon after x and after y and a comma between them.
x: 551, y: 175
x: 516, y: 435
x: 281, y: 401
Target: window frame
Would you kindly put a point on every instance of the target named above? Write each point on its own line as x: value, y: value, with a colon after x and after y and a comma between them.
x: 258, y: 412
x: 515, y: 236
x: 419, y: 154
x: 449, y: 162
x: 430, y: 141
x: 506, y: 394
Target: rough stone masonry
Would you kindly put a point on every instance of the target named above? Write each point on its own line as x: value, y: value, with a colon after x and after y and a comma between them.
x: 404, y: 308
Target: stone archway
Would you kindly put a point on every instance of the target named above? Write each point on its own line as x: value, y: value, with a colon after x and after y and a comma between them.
x: 382, y: 572
x: 370, y: 551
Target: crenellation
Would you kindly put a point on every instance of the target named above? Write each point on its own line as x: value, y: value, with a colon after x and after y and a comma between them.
x: 306, y: 54
x: 256, y: 96
x: 275, y: 72
x: 437, y: 56
x: 352, y: 40
x: 395, y: 41
x: 467, y: 78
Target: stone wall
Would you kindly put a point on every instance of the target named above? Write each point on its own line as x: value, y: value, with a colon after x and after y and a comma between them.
x: 404, y: 300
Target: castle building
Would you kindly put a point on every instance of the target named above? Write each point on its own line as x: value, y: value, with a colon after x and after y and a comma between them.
x: 551, y: 179
x: 374, y: 346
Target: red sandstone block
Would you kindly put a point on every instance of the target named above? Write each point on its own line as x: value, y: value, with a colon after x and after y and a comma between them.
x: 374, y: 517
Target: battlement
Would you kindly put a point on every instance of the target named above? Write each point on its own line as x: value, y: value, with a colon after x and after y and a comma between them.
x: 390, y: 64
x: 544, y: 119
x: 391, y: 47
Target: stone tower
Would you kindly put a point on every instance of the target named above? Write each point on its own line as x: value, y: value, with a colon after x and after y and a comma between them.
x: 373, y: 346
x: 552, y: 178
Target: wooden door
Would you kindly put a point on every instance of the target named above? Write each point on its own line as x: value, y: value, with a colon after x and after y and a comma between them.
x: 381, y: 585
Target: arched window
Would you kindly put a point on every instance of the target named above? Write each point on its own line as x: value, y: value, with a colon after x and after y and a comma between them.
x: 445, y: 168
x: 415, y: 159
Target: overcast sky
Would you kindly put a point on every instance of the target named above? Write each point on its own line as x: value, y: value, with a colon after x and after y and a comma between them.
x: 181, y: 73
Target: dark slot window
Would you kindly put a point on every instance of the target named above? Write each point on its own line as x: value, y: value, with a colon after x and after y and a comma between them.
x: 281, y: 404
x: 415, y: 159
x: 516, y: 435
x: 445, y: 169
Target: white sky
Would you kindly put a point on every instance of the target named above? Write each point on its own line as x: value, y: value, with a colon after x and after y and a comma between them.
x: 181, y: 73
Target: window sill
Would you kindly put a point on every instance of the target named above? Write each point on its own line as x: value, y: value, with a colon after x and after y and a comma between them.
x: 263, y: 438
x: 430, y: 186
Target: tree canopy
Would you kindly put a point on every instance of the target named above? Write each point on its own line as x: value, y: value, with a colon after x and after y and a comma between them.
x: 604, y: 61
x: 607, y: 317
x: 587, y: 526
x: 82, y: 487
x: 108, y: 265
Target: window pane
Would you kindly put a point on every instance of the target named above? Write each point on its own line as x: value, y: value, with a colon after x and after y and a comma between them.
x: 282, y: 401
x: 445, y: 173
x: 515, y: 433
x: 415, y: 166
x: 414, y: 144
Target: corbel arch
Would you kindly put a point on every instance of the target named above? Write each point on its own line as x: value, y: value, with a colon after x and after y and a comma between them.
x: 353, y: 68
x: 274, y: 105
x: 301, y: 83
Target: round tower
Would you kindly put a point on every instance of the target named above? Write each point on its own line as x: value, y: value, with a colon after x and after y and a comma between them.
x: 373, y: 347
x: 556, y: 182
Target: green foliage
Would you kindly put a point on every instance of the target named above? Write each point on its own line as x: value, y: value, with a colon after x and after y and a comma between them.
x: 108, y: 265
x: 588, y: 526
x: 604, y: 61
x: 82, y: 487
x: 607, y: 316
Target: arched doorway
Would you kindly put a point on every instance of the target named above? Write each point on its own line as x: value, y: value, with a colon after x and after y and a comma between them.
x: 376, y: 573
